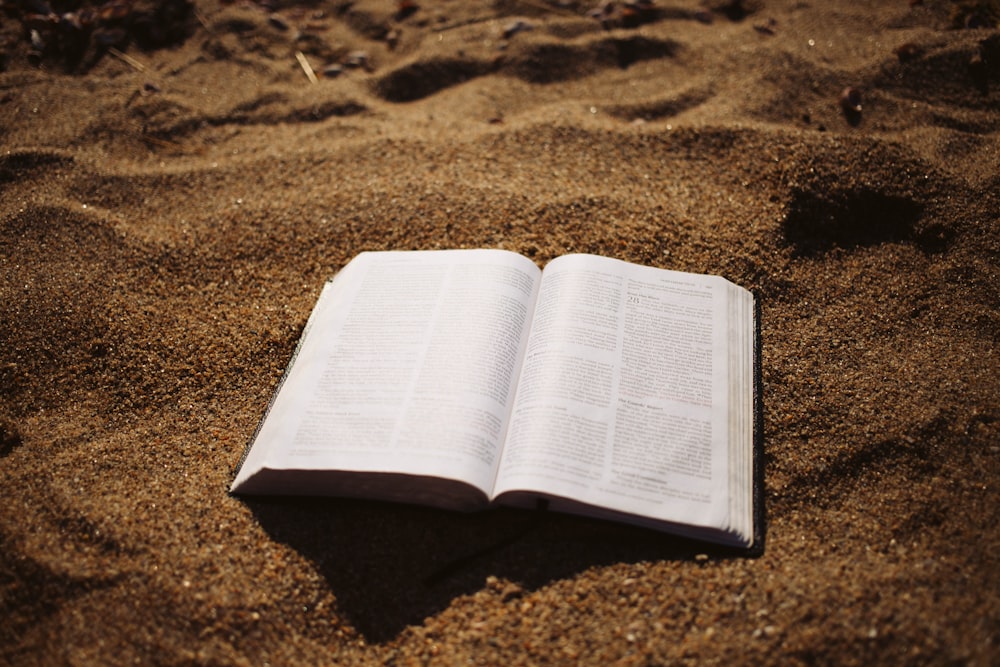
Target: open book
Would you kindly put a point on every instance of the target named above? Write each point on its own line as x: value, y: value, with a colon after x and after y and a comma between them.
x: 466, y: 378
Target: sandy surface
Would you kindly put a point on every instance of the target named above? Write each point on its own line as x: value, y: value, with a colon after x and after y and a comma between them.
x: 166, y: 225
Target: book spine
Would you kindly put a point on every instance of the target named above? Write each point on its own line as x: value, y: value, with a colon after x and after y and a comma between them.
x: 277, y: 390
x: 759, y: 509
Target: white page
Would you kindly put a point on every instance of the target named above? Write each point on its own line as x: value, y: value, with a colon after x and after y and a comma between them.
x: 623, y: 400
x: 408, y: 366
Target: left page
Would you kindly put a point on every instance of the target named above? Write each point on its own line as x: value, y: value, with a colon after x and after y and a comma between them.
x: 406, y: 367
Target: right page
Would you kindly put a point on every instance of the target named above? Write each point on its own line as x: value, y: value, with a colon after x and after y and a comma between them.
x: 636, y: 398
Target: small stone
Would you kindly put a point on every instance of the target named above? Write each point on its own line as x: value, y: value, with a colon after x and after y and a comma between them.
x: 392, y: 38
x: 850, y: 100
x: 37, y: 42
x: 357, y: 59
x: 850, y: 103
x: 908, y: 51
x: 277, y: 22
x: 515, y: 27
x: 767, y: 28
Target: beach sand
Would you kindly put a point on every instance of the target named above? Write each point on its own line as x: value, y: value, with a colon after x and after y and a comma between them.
x: 168, y: 216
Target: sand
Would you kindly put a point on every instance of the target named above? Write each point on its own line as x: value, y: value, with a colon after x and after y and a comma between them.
x: 169, y: 215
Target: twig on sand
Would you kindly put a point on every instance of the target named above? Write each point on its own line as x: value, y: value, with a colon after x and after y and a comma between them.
x: 127, y: 59
x: 306, y: 67
x: 203, y: 21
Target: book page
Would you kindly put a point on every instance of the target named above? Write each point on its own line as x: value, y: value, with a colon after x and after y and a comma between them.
x: 623, y: 399
x: 408, y: 366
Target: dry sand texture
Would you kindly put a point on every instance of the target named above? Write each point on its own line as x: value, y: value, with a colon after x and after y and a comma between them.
x: 168, y: 215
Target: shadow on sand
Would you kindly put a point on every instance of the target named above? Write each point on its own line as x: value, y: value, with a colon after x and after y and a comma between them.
x: 391, y: 566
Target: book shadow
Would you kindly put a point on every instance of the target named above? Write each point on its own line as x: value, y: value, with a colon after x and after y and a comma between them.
x: 390, y: 566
